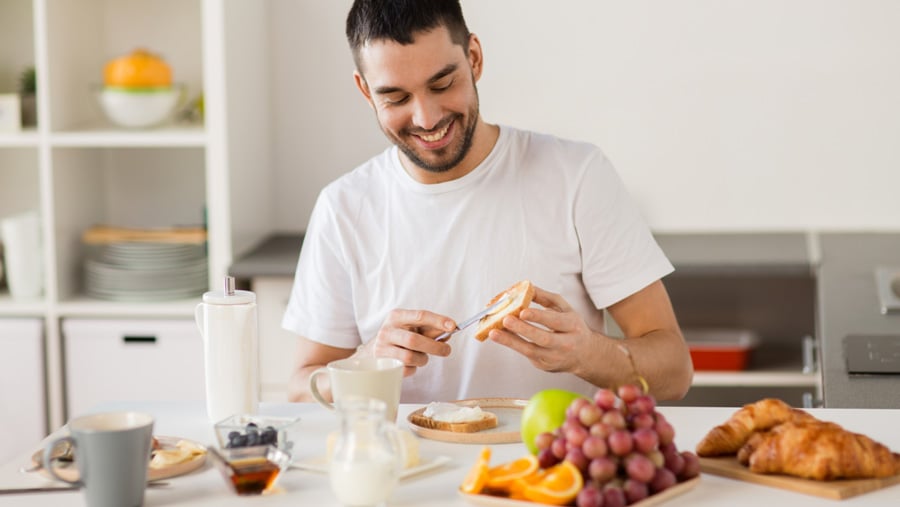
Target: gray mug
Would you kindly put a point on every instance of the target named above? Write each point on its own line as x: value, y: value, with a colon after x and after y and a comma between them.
x: 112, y: 453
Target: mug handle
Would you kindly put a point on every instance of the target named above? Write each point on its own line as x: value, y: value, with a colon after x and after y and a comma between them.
x: 48, y: 459
x: 314, y: 389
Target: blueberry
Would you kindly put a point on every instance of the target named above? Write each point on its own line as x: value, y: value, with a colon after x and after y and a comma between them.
x: 235, y: 441
x: 233, y: 434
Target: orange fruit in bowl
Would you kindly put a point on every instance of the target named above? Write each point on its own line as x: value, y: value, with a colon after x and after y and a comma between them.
x: 138, y: 69
x: 516, y: 488
x: 478, y: 475
x: 502, y: 476
x: 559, y: 486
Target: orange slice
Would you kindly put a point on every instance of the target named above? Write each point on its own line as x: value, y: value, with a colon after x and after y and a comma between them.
x: 501, y: 476
x: 478, y: 475
x: 516, y: 488
x: 559, y: 487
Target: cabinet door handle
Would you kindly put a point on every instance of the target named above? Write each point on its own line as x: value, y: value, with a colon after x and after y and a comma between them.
x: 809, y: 354
x: 810, y: 401
x: 138, y: 339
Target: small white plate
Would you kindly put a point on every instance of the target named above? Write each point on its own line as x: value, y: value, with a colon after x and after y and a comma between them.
x: 320, y: 465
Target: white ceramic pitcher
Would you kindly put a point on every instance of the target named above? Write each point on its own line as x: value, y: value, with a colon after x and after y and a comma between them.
x: 228, y: 325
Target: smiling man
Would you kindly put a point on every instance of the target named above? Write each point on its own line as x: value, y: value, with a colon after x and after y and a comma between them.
x: 425, y: 233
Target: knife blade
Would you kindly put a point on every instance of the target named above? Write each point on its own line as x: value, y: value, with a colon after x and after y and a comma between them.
x: 37, y: 489
x: 60, y: 488
x: 475, y: 318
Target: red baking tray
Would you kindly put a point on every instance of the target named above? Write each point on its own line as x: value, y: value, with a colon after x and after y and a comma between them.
x: 720, y: 349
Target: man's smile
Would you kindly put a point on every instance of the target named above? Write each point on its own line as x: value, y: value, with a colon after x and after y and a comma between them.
x: 436, y: 137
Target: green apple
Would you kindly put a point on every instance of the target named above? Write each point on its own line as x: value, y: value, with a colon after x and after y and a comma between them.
x: 546, y: 411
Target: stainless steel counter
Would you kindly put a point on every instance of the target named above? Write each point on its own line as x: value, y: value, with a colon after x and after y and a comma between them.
x: 848, y: 304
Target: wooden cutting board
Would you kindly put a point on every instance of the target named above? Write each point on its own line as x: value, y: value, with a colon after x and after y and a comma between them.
x: 836, y: 490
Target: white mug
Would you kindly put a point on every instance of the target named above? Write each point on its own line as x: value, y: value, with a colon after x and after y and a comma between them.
x: 21, y: 236
x: 372, y: 377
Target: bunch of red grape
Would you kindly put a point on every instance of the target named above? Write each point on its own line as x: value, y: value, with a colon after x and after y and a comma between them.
x: 624, y: 448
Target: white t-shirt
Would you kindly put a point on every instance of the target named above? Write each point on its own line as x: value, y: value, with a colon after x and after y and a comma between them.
x: 538, y: 207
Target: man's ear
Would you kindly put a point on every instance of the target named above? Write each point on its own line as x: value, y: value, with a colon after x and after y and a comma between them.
x: 476, y: 56
x: 363, y: 87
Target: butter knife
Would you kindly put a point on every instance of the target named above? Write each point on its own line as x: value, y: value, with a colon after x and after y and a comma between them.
x: 53, y: 488
x: 475, y: 318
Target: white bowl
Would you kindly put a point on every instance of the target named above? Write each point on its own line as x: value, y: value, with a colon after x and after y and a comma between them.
x: 140, y: 107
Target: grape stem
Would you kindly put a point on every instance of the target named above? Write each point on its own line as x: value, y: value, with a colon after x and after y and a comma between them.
x: 643, y: 382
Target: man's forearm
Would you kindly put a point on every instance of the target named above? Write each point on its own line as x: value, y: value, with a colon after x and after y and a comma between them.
x: 660, y: 357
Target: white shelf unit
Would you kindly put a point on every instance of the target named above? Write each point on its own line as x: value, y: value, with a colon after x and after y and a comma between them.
x: 78, y: 170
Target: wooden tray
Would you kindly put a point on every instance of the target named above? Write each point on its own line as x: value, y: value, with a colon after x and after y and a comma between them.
x: 509, y: 420
x: 729, y: 466
x: 69, y: 470
x: 499, y: 501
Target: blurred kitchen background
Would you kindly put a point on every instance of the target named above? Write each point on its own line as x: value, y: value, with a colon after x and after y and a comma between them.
x: 759, y: 137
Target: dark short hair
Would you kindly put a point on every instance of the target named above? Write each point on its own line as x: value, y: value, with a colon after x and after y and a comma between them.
x: 400, y: 20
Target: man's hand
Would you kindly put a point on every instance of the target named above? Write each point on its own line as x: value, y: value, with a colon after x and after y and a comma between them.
x: 553, y: 347
x: 409, y: 336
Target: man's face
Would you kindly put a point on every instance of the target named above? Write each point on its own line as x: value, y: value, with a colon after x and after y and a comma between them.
x: 424, y: 97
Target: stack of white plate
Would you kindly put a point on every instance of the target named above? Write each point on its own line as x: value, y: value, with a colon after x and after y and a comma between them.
x: 138, y: 271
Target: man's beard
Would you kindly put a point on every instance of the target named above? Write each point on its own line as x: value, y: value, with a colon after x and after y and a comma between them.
x: 455, y: 158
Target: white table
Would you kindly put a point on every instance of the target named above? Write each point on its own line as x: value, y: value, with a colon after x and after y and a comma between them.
x: 206, y: 487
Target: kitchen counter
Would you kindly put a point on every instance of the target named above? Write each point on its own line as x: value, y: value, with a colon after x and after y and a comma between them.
x: 709, y: 253
x: 717, y: 254
x: 848, y: 304
x: 277, y: 255
x: 206, y: 487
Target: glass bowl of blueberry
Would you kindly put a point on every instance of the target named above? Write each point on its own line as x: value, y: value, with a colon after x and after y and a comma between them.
x: 244, y: 430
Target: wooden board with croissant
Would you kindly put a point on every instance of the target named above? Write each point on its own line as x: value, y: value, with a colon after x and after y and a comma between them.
x: 771, y: 443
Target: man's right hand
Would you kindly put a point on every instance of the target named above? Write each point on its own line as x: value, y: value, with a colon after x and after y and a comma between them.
x: 409, y: 336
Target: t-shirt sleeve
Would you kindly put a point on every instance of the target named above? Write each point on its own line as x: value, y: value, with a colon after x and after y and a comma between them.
x: 320, y: 307
x: 619, y: 254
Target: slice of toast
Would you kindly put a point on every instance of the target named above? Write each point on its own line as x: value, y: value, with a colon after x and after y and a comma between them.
x: 488, y: 421
x: 521, y: 294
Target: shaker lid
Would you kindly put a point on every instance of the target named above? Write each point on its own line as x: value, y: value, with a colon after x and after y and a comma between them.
x: 229, y: 296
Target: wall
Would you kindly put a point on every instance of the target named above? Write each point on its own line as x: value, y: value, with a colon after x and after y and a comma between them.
x: 719, y: 114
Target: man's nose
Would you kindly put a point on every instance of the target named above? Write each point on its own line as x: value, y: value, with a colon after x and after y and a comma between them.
x: 426, y: 113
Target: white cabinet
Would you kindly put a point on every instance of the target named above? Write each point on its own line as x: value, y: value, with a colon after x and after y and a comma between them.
x: 116, y: 360
x: 277, y: 347
x: 22, y: 421
x: 78, y: 170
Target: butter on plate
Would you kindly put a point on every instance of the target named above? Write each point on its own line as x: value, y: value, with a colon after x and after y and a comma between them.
x: 452, y: 413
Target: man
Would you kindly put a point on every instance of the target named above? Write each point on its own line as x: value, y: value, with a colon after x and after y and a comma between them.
x: 424, y: 234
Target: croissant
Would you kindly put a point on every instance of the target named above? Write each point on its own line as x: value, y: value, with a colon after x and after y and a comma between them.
x: 818, y: 450
x: 729, y: 437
